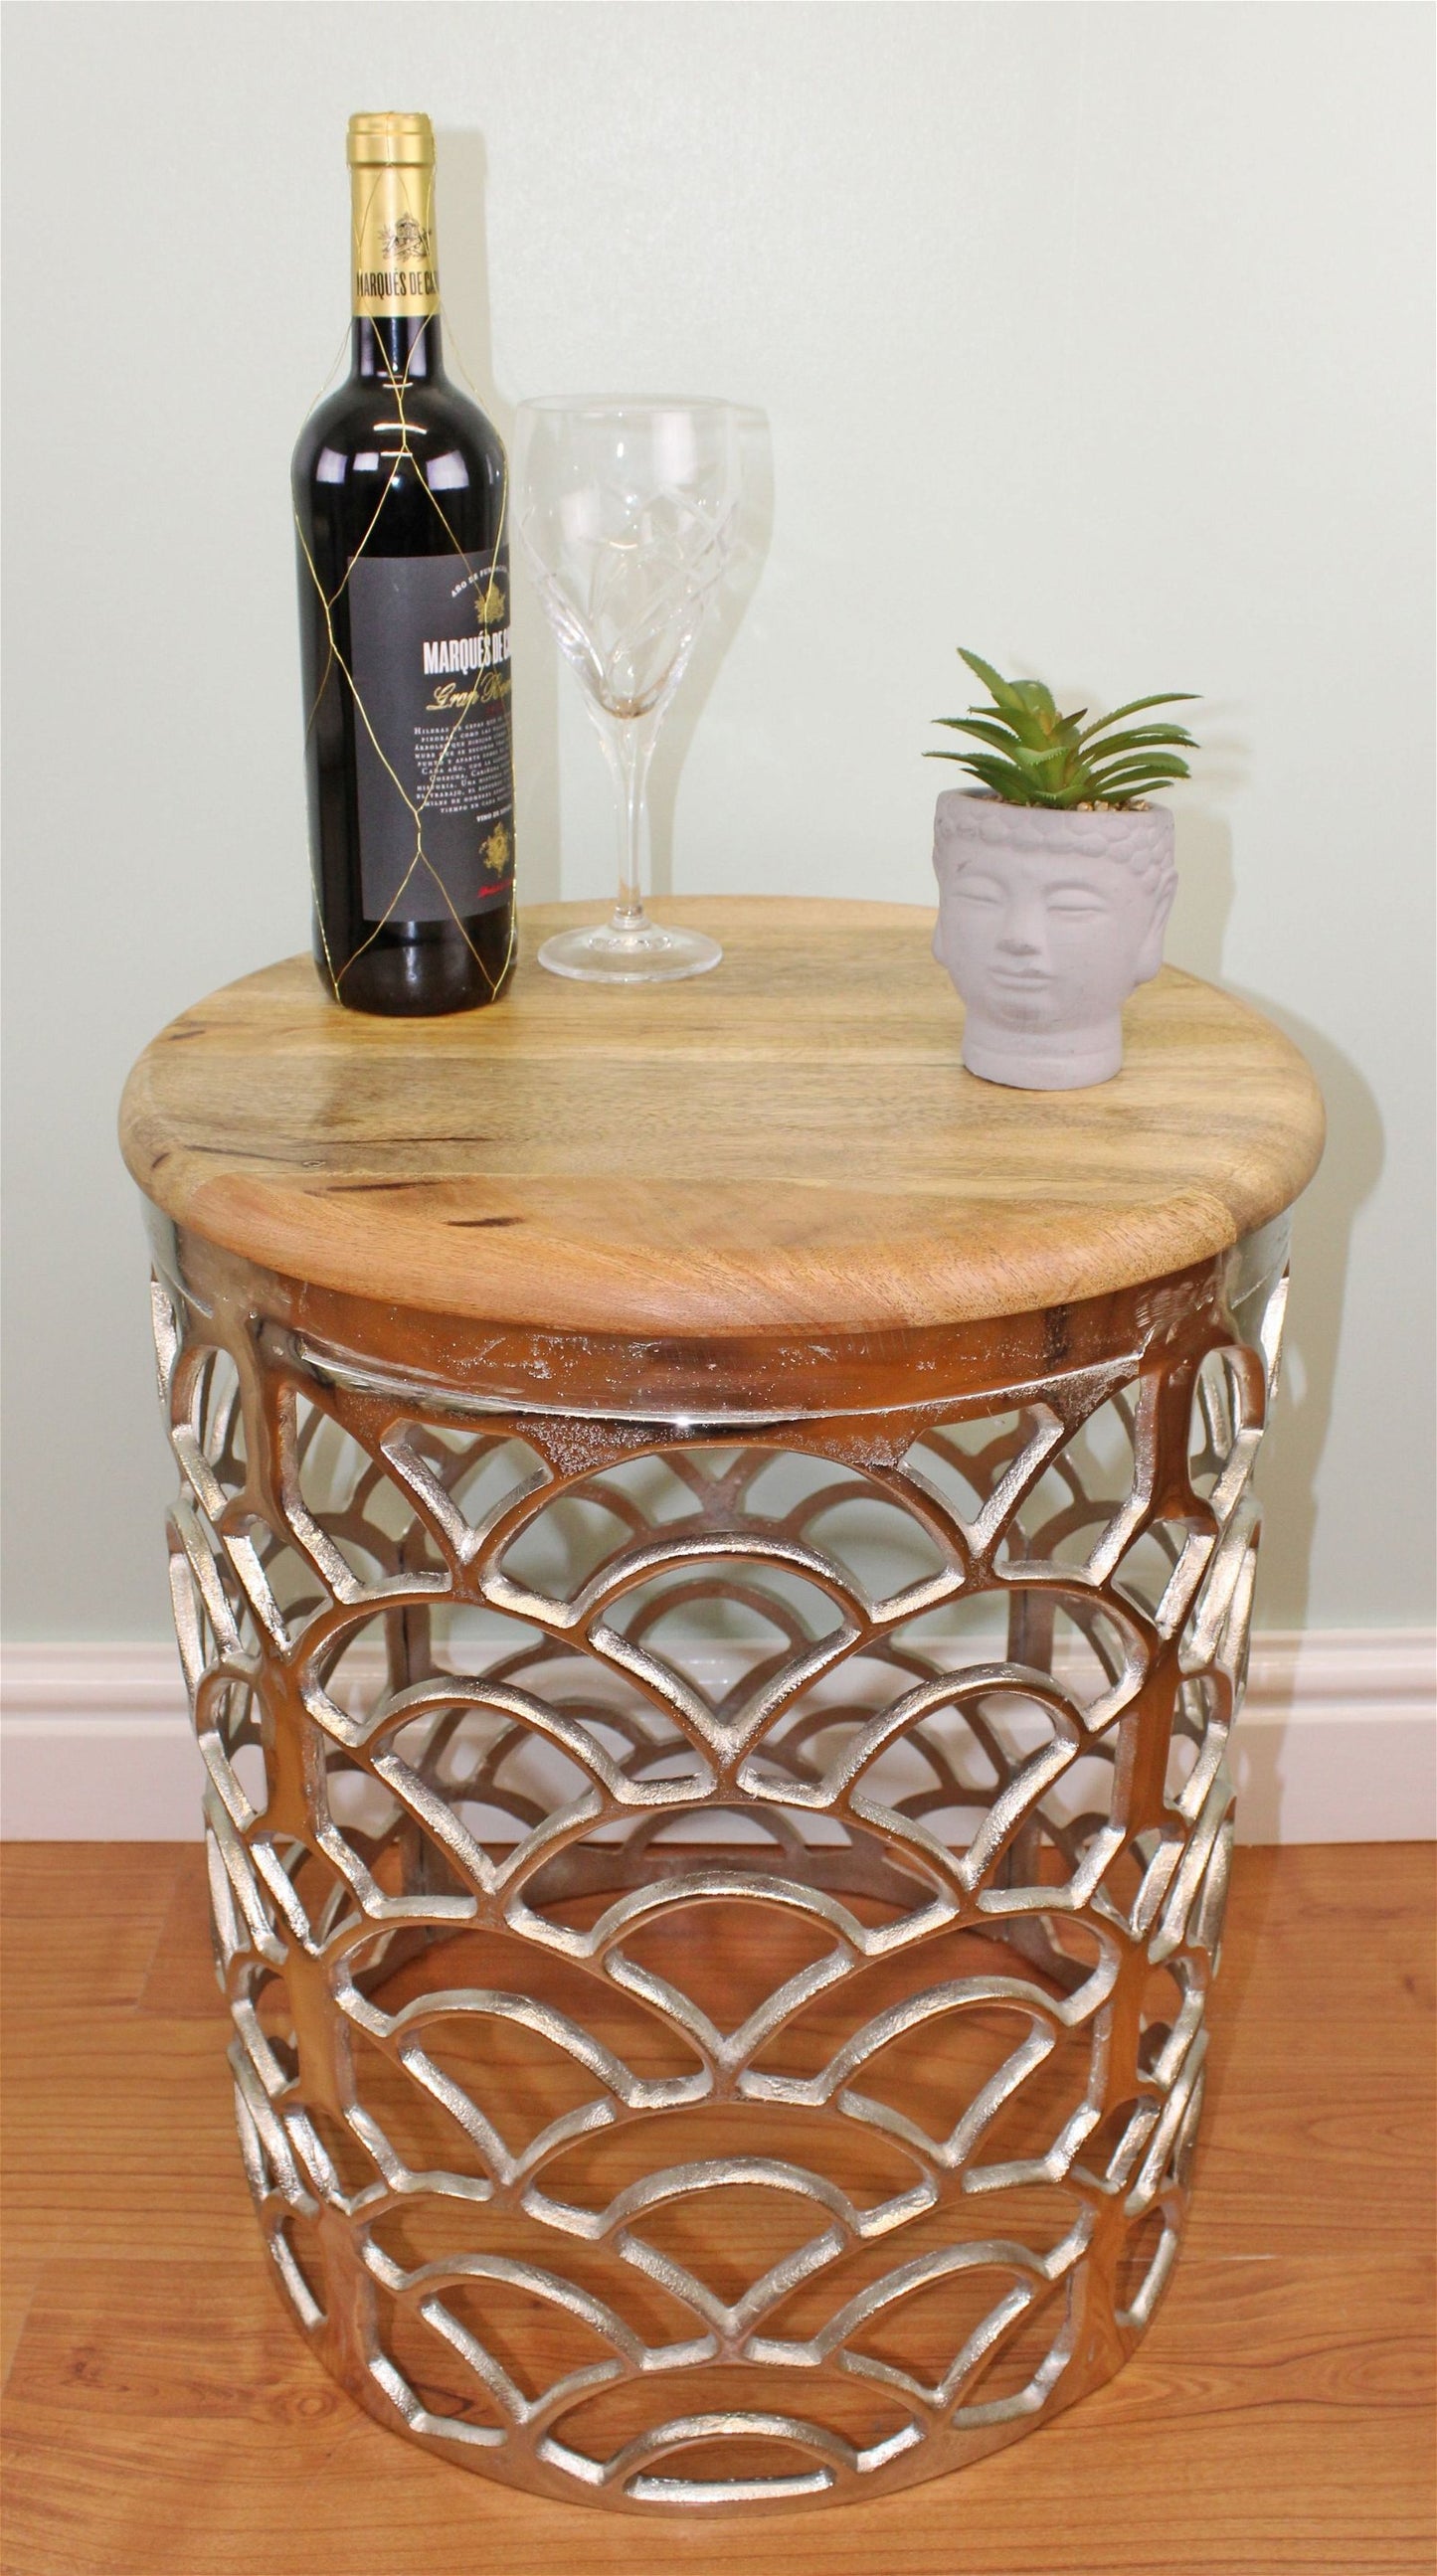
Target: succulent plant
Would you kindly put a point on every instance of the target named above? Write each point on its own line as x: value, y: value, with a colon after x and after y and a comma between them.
x: 1036, y: 756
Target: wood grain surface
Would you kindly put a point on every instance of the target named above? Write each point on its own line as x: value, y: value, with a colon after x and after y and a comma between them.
x: 789, y: 1143
x: 164, y: 2418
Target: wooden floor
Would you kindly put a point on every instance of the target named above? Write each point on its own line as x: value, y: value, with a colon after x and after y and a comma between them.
x: 164, y: 2418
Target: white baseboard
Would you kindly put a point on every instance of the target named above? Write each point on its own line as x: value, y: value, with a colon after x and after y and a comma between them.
x: 96, y: 1747
x: 1337, y: 1742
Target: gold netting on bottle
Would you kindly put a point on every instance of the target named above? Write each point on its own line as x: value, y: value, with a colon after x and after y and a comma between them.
x: 397, y: 384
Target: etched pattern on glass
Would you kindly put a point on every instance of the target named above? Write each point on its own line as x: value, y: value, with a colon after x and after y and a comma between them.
x: 717, y: 1930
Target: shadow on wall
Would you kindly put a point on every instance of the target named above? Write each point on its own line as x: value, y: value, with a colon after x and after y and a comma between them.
x: 1321, y: 1239
x: 1322, y: 1224
x: 462, y: 172
x: 1207, y: 879
x: 725, y: 616
x: 1206, y: 888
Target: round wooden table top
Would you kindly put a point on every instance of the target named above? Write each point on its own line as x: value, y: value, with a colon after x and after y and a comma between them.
x: 788, y: 1144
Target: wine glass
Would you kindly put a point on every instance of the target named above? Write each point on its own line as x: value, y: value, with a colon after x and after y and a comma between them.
x: 627, y: 512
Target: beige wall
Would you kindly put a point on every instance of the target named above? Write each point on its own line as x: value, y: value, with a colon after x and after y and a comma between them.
x: 1097, y: 338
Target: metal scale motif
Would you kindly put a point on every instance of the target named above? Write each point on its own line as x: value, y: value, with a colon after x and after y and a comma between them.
x: 717, y: 1913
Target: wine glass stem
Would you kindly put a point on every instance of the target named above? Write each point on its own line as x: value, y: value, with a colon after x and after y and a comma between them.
x: 633, y: 739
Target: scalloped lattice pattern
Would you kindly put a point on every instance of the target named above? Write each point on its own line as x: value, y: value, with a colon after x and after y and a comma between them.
x: 717, y: 1930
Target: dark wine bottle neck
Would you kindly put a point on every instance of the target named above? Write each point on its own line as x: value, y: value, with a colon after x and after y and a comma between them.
x: 402, y: 347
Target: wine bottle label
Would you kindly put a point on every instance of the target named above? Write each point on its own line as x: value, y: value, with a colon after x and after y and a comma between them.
x: 429, y: 656
x: 395, y: 257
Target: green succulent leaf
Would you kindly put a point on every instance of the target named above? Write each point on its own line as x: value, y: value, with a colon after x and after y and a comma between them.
x: 1060, y: 736
x: 1137, y: 769
x: 1036, y: 755
x: 1152, y: 764
x: 1135, y: 706
x: 1121, y: 791
x: 1038, y: 700
x: 1138, y: 794
x: 1005, y: 695
x: 995, y: 734
x: 1141, y: 738
x: 1035, y: 735
x: 1018, y: 721
x: 1128, y: 791
x: 1005, y: 781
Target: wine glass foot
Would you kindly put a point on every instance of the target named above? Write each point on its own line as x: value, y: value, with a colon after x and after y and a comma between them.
x: 643, y: 953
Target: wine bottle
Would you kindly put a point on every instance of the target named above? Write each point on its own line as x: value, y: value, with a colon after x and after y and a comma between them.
x: 400, y: 489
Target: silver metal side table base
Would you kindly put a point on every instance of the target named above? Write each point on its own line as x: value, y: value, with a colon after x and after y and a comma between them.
x: 717, y: 1906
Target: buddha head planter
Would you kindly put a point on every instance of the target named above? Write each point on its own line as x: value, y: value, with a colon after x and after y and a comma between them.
x: 1047, y: 920
x: 1055, y: 878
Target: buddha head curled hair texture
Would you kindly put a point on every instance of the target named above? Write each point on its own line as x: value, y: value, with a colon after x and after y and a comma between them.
x: 1136, y: 837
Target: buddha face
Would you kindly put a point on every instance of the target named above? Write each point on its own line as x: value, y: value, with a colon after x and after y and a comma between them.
x: 1046, y: 926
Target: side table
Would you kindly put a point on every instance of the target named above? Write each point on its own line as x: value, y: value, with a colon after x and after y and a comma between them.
x: 713, y: 1565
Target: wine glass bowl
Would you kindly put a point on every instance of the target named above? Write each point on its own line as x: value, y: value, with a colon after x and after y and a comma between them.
x: 627, y: 600
x: 627, y: 512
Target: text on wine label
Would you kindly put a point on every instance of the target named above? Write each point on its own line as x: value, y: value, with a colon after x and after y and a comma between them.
x: 467, y: 652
